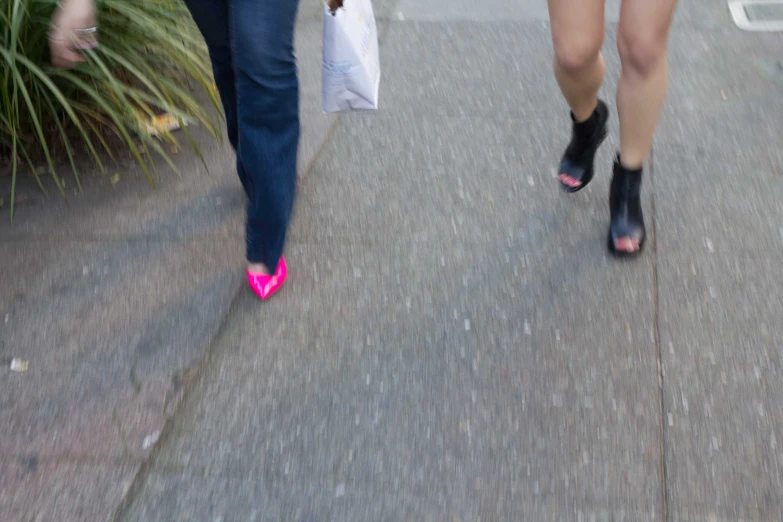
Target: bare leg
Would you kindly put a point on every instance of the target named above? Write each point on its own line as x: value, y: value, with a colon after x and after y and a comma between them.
x: 258, y: 268
x: 577, y: 35
x: 641, y: 41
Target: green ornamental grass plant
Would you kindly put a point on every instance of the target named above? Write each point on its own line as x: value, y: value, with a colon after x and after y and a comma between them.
x: 150, y: 60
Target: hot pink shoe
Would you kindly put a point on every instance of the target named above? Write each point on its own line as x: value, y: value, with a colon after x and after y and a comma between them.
x: 266, y: 285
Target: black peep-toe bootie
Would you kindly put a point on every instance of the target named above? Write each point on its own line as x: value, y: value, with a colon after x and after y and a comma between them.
x: 625, y: 209
x: 586, y: 137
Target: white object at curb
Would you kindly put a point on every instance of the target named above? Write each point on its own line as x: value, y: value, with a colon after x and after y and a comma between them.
x: 739, y: 13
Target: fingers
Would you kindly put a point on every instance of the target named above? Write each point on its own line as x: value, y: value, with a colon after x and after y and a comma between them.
x: 66, y: 52
x: 65, y: 58
x: 62, y: 52
x: 86, y: 38
x: 74, y: 30
x: 86, y: 43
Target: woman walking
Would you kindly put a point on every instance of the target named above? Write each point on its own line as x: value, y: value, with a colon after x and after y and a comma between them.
x: 251, y: 45
x: 577, y: 35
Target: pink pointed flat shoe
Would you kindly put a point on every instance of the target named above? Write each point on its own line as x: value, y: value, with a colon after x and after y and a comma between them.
x: 265, y: 285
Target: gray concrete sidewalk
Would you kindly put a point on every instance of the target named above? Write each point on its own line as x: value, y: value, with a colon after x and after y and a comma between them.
x: 114, y: 297
x: 454, y: 342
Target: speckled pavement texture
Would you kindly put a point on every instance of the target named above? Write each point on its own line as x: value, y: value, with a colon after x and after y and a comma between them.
x: 454, y: 342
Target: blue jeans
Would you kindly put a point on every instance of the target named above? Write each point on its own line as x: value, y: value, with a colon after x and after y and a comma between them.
x: 251, y: 45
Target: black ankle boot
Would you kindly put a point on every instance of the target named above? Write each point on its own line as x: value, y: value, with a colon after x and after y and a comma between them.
x: 625, y: 208
x: 586, y: 137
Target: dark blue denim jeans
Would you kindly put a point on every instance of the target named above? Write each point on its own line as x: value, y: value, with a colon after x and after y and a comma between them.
x: 251, y: 44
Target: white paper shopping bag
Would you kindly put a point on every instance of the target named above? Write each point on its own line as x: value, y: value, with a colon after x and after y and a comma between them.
x: 351, y: 66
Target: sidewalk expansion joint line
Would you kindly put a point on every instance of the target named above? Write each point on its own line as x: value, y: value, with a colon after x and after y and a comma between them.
x: 195, y: 373
x: 197, y: 369
x: 659, y: 349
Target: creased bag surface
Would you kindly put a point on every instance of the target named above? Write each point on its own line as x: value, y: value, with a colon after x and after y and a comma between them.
x: 351, y: 65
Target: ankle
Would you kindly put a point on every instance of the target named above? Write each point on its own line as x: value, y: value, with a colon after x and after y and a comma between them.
x: 585, y: 119
x: 631, y: 167
x: 257, y: 269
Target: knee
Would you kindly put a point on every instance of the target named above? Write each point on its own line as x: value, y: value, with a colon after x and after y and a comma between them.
x: 574, y: 57
x: 266, y: 60
x: 641, y: 53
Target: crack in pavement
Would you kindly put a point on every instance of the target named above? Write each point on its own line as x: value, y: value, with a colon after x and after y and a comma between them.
x: 657, y: 326
x: 184, y: 380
